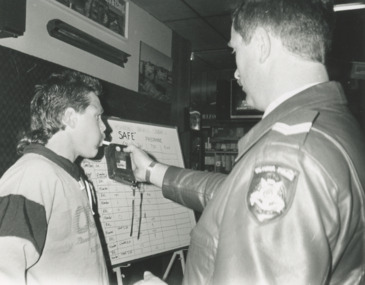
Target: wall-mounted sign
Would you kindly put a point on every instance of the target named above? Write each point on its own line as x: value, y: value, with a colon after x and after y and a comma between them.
x: 358, y: 70
x: 239, y: 109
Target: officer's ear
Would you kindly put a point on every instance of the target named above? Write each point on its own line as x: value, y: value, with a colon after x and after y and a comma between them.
x: 69, y: 118
x: 262, y: 41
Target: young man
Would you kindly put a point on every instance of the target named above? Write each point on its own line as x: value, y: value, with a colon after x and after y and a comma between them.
x: 47, y: 231
x: 292, y: 209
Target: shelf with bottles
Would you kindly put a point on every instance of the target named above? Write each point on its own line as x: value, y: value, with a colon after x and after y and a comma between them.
x: 220, y: 147
x: 222, y: 138
x: 219, y: 161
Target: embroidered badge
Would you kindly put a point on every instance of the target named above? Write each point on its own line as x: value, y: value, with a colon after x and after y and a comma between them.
x: 271, y: 190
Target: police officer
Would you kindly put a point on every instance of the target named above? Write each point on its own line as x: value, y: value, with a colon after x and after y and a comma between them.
x: 291, y: 211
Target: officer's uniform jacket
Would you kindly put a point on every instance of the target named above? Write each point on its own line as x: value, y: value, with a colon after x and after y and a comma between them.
x: 292, y: 209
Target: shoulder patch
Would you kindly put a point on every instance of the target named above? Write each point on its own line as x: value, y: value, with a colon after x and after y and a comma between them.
x: 272, y: 189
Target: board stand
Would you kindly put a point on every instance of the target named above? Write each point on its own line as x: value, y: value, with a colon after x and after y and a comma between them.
x: 119, y: 274
x: 179, y: 253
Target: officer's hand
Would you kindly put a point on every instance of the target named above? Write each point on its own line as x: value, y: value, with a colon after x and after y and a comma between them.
x: 150, y: 279
x: 140, y: 162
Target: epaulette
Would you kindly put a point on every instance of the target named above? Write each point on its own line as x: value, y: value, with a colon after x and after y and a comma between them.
x: 296, y: 127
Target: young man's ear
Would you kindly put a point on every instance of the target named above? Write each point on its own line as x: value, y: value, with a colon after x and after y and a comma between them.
x: 69, y: 117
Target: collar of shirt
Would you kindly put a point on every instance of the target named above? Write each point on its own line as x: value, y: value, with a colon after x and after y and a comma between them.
x: 285, y: 97
x: 68, y: 166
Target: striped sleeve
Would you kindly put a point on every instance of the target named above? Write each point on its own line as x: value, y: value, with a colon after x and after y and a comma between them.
x: 23, y: 218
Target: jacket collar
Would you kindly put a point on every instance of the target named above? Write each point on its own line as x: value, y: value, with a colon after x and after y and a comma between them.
x: 68, y: 166
x: 303, y: 104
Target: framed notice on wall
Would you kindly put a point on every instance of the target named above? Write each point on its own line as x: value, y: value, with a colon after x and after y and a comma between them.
x: 155, y: 74
x: 110, y: 14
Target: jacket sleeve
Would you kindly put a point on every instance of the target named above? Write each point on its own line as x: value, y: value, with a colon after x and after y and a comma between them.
x: 22, y: 233
x: 191, y: 188
x: 23, y: 222
x: 17, y: 255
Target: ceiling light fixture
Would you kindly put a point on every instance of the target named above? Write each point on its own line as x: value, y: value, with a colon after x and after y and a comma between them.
x: 77, y: 38
x: 349, y: 6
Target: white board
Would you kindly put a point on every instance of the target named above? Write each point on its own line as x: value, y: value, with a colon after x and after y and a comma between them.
x: 165, y: 225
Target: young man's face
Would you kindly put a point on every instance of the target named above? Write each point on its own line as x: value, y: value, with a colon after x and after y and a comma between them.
x: 89, y: 131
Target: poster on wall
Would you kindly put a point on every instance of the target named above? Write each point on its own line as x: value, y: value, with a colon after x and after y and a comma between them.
x: 111, y: 14
x: 155, y: 74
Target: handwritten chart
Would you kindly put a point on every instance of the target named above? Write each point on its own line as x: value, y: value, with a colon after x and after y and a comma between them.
x: 134, y: 226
